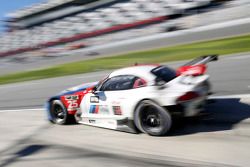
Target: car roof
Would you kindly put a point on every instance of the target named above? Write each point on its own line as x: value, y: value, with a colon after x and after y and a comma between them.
x: 142, y: 71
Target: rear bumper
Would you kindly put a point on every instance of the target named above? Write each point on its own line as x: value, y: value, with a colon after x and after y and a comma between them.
x: 193, y: 107
x: 188, y: 108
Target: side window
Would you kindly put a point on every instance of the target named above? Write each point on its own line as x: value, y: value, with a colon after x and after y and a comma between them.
x: 139, y: 82
x: 122, y: 82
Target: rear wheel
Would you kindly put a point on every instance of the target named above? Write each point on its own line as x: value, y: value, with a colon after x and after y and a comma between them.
x: 152, y: 119
x: 59, y: 113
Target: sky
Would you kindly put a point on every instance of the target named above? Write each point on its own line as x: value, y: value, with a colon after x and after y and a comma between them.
x: 8, y: 6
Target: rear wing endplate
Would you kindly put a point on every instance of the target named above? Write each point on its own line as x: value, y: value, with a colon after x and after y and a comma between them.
x: 202, y: 60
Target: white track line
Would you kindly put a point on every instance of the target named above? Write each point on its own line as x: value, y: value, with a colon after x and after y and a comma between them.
x: 240, y: 96
x: 19, y: 110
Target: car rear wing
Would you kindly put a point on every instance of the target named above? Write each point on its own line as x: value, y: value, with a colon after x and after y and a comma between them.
x: 197, y: 66
x: 202, y: 60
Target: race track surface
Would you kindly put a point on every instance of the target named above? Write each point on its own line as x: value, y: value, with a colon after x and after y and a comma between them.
x: 219, y: 137
x: 229, y: 75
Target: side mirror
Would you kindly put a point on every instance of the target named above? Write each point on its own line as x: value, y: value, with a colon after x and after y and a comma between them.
x: 159, y: 82
x: 94, y: 90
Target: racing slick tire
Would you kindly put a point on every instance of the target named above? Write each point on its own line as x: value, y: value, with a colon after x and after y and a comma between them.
x: 59, y: 113
x: 152, y: 119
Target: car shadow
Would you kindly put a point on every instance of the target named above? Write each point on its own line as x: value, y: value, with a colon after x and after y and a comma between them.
x: 221, y: 115
x: 24, y: 152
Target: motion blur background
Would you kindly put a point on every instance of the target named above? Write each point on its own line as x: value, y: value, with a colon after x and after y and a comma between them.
x: 59, y: 27
x: 45, y: 35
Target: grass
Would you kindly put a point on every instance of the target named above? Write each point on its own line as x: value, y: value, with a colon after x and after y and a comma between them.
x: 188, y: 51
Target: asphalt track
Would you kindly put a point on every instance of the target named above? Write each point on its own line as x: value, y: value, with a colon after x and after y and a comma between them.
x: 220, y: 137
x: 229, y: 75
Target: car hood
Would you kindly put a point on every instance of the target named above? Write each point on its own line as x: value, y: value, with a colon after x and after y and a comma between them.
x: 78, y: 88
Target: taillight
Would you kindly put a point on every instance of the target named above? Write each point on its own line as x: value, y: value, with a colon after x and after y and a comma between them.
x: 188, y: 96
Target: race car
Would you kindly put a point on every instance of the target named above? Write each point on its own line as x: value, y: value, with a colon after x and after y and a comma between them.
x: 140, y: 98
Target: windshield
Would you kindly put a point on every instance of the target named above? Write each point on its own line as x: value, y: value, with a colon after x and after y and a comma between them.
x: 164, y: 73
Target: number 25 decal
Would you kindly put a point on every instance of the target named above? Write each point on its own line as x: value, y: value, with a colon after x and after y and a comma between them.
x: 72, y: 104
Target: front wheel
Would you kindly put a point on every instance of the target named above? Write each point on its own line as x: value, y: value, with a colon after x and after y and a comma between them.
x: 59, y: 113
x: 152, y: 119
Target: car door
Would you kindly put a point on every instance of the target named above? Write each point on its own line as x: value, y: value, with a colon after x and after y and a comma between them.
x: 111, y: 98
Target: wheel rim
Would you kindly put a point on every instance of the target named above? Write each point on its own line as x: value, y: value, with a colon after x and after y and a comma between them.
x: 150, y: 118
x: 59, y: 113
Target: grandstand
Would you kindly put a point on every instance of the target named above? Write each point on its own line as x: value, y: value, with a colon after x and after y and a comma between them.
x: 73, y: 24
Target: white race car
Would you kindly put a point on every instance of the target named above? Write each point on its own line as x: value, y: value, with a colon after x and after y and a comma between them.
x: 139, y: 98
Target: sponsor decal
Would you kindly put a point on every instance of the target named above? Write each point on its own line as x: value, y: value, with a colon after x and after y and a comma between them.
x: 103, y: 109
x: 94, y: 99
x: 71, y: 97
x: 92, y: 121
x: 99, y: 109
x: 117, y: 110
x: 71, y: 102
x: 94, y: 109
